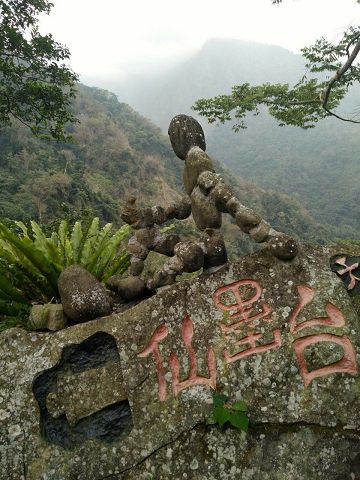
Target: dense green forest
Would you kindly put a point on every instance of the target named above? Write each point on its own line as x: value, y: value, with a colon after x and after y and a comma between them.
x: 115, y: 153
x: 319, y: 167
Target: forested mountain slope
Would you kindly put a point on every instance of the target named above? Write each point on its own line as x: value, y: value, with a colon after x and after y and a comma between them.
x: 115, y: 153
x: 319, y: 167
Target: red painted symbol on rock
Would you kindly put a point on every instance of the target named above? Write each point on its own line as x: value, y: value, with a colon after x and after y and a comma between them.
x: 160, y: 333
x: 348, y: 269
x: 242, y: 309
x: 193, y: 378
x: 334, y: 319
x: 245, y: 313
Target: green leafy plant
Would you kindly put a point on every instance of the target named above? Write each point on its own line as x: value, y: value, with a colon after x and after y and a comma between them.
x: 31, y: 262
x: 235, y: 413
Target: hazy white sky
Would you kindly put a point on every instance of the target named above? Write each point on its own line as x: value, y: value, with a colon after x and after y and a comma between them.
x: 121, y: 37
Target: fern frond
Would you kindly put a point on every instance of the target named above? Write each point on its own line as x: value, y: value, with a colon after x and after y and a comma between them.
x: 76, y: 241
x: 9, y: 292
x: 90, y: 240
x: 26, y: 248
x: 119, y: 266
x: 23, y: 228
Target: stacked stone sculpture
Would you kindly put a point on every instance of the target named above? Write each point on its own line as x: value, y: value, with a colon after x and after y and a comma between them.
x: 208, y: 198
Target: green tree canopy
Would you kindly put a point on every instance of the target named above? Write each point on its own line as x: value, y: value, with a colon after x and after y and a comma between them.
x: 36, y: 86
x: 331, y: 70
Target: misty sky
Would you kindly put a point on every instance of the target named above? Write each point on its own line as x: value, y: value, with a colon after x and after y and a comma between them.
x: 116, y: 38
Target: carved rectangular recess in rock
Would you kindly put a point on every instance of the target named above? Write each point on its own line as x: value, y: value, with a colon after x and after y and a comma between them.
x: 256, y: 331
x: 77, y: 398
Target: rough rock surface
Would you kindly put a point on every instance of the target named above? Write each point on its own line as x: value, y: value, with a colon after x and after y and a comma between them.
x: 282, y: 336
x: 48, y: 317
x: 185, y: 132
x: 128, y: 288
x: 83, y: 297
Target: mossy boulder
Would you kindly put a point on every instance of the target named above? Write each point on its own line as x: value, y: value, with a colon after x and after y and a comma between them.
x: 83, y: 297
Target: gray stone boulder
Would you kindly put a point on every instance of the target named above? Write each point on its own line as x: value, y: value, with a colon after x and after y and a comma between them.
x: 130, y: 396
x: 185, y: 132
x: 83, y: 297
x: 129, y: 287
x: 48, y: 317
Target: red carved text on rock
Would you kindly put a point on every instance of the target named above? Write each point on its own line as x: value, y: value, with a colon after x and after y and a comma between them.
x: 347, y: 364
x: 348, y: 269
x: 193, y: 378
x: 245, y: 313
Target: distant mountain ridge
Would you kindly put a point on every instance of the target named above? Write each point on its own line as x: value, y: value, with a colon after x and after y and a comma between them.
x: 220, y: 64
x: 320, y: 168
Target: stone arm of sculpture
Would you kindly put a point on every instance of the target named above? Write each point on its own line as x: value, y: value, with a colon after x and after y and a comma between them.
x: 147, y: 237
x: 210, y: 196
x: 281, y: 245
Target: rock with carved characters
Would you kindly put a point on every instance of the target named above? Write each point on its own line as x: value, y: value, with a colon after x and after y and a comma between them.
x: 132, y: 394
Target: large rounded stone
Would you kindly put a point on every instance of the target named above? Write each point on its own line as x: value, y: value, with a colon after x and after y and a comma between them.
x: 48, y: 317
x: 246, y: 218
x: 128, y: 288
x: 182, y: 209
x: 283, y: 247
x: 137, y: 249
x: 207, y: 181
x: 205, y: 213
x: 130, y: 213
x: 185, y: 132
x: 215, y: 250
x: 145, y: 236
x: 165, y: 243
x: 222, y: 194
x: 66, y: 396
x: 191, y: 255
x: 196, y: 163
x: 260, y: 233
x: 83, y: 297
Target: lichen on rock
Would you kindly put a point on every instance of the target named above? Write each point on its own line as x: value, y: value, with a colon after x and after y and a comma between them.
x: 281, y: 336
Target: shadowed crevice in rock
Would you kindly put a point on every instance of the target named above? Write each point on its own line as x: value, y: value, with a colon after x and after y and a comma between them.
x: 107, y: 424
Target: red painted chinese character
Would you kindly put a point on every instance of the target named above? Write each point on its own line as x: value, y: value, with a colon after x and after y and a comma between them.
x: 160, y: 333
x: 253, y: 349
x: 193, y: 378
x: 334, y: 319
x: 242, y: 308
x: 244, y: 312
x: 342, y: 261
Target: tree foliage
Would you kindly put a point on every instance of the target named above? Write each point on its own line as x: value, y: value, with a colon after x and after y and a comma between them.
x: 331, y: 71
x: 36, y: 86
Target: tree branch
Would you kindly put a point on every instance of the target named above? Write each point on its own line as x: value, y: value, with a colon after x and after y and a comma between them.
x: 349, y: 44
x: 339, y: 117
x: 339, y: 74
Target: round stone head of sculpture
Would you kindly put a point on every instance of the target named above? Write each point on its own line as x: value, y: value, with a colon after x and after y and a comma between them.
x: 185, y: 132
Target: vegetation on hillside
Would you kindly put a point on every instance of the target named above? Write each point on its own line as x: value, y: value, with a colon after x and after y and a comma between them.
x: 318, y: 168
x: 115, y: 153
